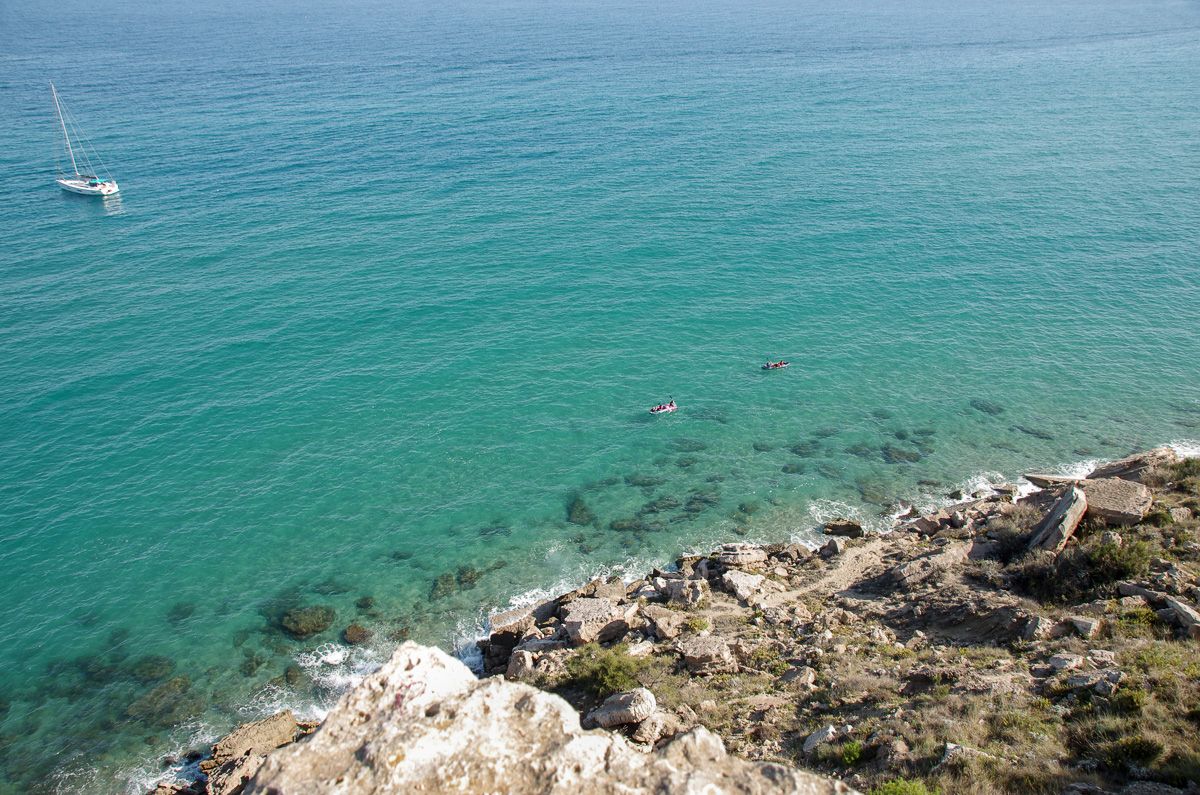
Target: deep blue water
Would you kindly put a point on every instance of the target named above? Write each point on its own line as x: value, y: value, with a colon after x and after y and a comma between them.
x: 388, y: 285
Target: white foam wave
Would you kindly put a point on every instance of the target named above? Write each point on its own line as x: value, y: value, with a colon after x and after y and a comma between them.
x: 1186, y: 448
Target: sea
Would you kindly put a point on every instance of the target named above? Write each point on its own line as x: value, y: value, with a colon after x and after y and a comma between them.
x: 376, y: 319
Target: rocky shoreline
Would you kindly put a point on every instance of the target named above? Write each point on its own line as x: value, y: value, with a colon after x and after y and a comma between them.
x: 1011, y: 642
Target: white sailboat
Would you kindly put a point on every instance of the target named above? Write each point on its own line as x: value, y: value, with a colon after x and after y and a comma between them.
x: 86, y: 182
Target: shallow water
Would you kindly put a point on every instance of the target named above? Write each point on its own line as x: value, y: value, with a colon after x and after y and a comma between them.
x: 388, y: 286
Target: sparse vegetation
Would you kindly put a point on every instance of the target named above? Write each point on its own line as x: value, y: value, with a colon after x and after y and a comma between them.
x: 604, y: 671
x: 904, y: 786
x: 851, y: 753
x: 969, y: 676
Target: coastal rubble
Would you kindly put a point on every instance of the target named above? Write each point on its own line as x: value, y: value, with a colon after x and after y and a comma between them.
x: 1002, y: 643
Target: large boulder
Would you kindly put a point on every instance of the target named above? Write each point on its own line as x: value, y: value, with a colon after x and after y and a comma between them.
x: 1057, y: 526
x: 740, y: 554
x: 304, y: 622
x: 741, y: 584
x: 1136, y: 466
x: 238, y: 756
x: 686, y: 593
x: 593, y: 618
x: 846, y: 528
x: 707, y: 655
x: 424, y: 724
x: 620, y: 709
x: 907, y: 575
x: 1186, y: 615
x: 1117, y: 501
x: 666, y: 624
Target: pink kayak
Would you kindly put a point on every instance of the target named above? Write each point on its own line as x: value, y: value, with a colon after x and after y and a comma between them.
x: 665, y: 408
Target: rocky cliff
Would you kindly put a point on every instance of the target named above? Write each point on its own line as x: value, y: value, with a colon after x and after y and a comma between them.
x: 425, y: 723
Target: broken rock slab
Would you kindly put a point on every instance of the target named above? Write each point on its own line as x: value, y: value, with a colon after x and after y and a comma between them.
x: 1117, y: 501
x: 620, y: 709
x: 1057, y: 527
x: 1186, y: 615
x: 1137, y: 466
x: 740, y: 554
x: 707, y: 655
x: 742, y: 584
x: 589, y: 619
x: 686, y: 593
x: 666, y: 624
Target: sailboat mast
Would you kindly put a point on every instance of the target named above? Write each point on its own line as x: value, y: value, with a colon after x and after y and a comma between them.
x: 63, y: 124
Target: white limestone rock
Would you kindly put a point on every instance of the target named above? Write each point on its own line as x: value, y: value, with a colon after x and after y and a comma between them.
x: 622, y: 708
x: 424, y: 724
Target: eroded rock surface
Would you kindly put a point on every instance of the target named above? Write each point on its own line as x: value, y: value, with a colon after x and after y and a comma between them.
x: 424, y: 724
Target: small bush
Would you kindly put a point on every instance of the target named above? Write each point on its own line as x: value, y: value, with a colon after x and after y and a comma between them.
x: 1187, y: 468
x: 1134, y: 751
x: 695, y: 624
x: 1129, y: 699
x: 604, y: 671
x: 851, y: 753
x: 1159, y: 517
x: 1112, y: 562
x: 904, y: 786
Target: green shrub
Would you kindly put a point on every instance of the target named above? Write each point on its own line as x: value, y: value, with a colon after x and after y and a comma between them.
x: 695, y: 624
x: 1129, y: 699
x: 1159, y: 517
x: 1112, y: 562
x: 1128, y: 752
x: 1187, y: 468
x: 904, y: 786
x: 604, y: 671
x: 851, y: 753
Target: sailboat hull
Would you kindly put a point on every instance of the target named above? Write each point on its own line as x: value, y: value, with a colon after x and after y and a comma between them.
x: 87, y: 187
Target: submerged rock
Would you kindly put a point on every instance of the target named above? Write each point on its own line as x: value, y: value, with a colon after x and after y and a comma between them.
x: 445, y: 585
x: 356, y: 634
x: 152, y: 668
x: 793, y: 469
x: 861, y: 449
x: 660, y: 504
x: 578, y: 512
x: 763, y: 447
x: 304, y: 622
x: 684, y: 445
x: 180, y: 611
x: 467, y: 577
x: 895, y: 454
x: 806, y: 449
x: 644, y: 481
x: 164, y: 704
x: 1036, y: 433
x: 987, y: 406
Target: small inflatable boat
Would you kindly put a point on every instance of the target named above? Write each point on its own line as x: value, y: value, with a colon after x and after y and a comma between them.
x: 665, y: 408
x: 775, y: 365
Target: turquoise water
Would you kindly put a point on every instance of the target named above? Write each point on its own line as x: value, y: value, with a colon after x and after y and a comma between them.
x: 389, y: 285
